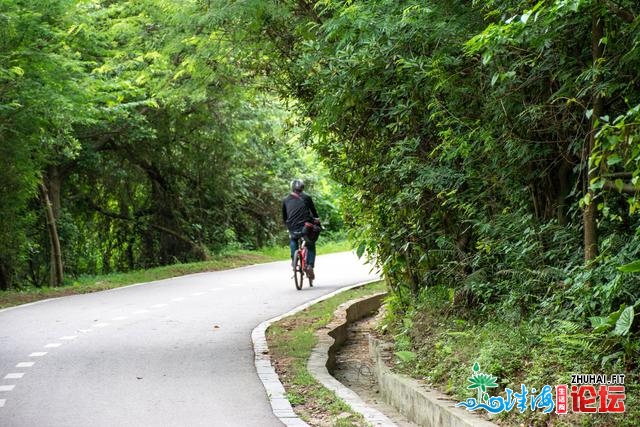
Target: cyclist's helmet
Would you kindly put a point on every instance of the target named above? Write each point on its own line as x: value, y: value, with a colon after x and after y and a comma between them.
x: 297, y: 185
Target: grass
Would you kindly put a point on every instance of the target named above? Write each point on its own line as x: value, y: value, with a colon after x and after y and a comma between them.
x: 323, y: 247
x: 291, y: 341
x: 223, y: 261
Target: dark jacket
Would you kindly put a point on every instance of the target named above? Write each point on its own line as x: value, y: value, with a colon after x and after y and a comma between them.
x: 298, y: 208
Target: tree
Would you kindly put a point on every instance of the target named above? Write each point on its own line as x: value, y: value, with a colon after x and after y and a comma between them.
x: 141, y: 138
x: 40, y: 99
x: 464, y: 133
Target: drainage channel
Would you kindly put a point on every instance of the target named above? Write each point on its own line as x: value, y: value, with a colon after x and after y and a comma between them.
x: 355, y: 369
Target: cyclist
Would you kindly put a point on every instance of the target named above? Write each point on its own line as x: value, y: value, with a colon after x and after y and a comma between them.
x: 302, y: 220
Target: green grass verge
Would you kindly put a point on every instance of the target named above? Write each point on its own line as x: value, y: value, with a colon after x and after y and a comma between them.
x: 323, y: 248
x: 291, y: 341
x: 223, y: 261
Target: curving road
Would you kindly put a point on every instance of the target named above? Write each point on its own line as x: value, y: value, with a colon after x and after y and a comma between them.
x: 175, y: 352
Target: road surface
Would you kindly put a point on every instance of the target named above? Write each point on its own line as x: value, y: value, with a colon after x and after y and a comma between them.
x: 175, y: 352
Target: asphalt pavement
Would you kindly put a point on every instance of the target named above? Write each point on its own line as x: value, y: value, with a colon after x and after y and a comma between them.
x: 175, y: 352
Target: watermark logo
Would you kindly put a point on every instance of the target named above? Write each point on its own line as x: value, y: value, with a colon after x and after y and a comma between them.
x: 588, y: 393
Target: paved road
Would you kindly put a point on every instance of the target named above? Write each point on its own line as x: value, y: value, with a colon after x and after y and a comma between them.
x: 175, y: 352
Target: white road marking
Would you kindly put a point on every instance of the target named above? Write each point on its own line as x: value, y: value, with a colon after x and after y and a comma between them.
x: 159, y: 305
x: 100, y: 325
x: 38, y: 354
x: 215, y: 289
x: 197, y: 294
x: 140, y: 311
x: 14, y: 376
x: 178, y: 299
x: 25, y: 364
x: 69, y: 337
x: 120, y: 318
x: 236, y: 285
x: 2, y: 402
x: 84, y: 331
x: 53, y: 345
x: 6, y: 387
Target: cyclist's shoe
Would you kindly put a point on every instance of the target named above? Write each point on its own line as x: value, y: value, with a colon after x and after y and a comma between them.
x: 310, y: 274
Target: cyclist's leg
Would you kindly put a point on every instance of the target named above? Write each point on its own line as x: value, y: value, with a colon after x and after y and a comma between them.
x: 311, y: 258
x: 311, y: 254
x: 311, y: 247
x: 293, y: 245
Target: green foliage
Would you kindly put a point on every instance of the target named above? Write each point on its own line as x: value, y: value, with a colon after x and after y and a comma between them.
x: 457, y: 131
x: 41, y: 99
x: 450, y: 351
x: 406, y: 356
x: 470, y: 140
x: 614, y: 336
x: 632, y: 267
x: 157, y: 143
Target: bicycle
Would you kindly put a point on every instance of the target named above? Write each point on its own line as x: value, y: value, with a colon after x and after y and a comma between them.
x: 300, y: 264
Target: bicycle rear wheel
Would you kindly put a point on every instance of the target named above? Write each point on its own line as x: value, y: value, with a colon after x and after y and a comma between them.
x: 298, y: 274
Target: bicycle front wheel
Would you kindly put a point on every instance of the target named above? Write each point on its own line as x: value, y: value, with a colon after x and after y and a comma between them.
x: 298, y: 274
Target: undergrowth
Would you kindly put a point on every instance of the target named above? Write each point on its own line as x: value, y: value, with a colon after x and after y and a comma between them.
x: 437, y: 342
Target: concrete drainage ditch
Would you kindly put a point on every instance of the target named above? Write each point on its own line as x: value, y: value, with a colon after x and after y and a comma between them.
x: 414, y: 401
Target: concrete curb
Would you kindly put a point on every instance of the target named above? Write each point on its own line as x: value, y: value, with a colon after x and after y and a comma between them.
x: 323, y: 357
x: 422, y: 406
x: 275, y: 391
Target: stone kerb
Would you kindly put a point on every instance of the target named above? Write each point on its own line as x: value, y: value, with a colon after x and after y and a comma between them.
x: 346, y: 314
x: 420, y: 405
x: 323, y: 356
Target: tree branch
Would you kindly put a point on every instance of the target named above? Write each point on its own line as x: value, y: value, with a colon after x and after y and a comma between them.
x: 199, y: 248
x: 626, y: 187
x: 622, y: 175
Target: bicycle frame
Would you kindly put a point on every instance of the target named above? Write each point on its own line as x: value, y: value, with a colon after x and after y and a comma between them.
x: 302, y: 250
x: 300, y: 264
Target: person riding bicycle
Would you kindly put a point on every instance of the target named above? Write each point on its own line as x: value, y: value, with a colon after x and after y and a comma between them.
x: 302, y: 220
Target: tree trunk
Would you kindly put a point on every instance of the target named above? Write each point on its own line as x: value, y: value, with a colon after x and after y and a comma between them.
x: 590, y: 213
x: 54, y: 185
x: 56, y: 253
x: 5, y: 277
x: 563, y: 192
